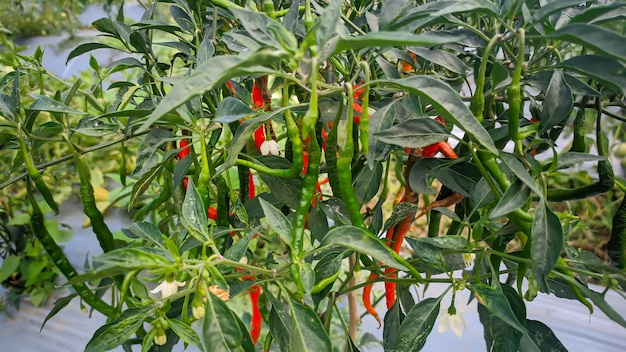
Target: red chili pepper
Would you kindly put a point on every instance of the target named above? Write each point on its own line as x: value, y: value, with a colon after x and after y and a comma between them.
x: 257, y: 96
x: 251, y: 189
x: 390, y: 287
x: 259, y: 137
x: 183, y: 153
x: 212, y: 213
x: 257, y: 319
x: 367, y: 300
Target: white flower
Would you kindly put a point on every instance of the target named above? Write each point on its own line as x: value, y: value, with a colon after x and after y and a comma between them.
x: 468, y: 259
x: 270, y: 147
x: 451, y: 319
x: 168, y: 288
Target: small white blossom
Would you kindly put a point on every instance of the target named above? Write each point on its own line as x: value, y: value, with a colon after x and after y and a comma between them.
x: 270, y: 147
x: 451, y: 319
x: 468, y: 259
x: 168, y: 288
x: 160, y: 338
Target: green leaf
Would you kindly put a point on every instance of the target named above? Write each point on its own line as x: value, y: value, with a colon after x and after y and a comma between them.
x: 459, y: 176
x: 520, y: 171
x: 185, y: 332
x: 505, y: 337
x: 19, y: 219
x: 597, y: 38
x: 85, y: 48
x: 419, y: 176
x: 558, y: 104
x: 540, y: 338
x: 92, y: 126
x: 380, y: 120
x: 213, y: 73
x: 287, y: 190
x: 231, y: 109
x: 221, y: 329
x: 416, y: 326
x: 265, y: 30
x: 147, y: 231
x: 467, y: 6
x: 447, y: 242
x: 605, y: 70
x: 329, y: 265
x: 115, y: 333
x: 9, y: 266
x: 44, y: 103
x: 395, y: 39
x: 599, y: 301
x: 513, y: 198
x: 277, y: 221
x: 361, y: 241
x: 497, y: 304
x: 552, y: 7
x: 135, y: 258
x: 194, y: 214
x: 328, y: 22
x: 392, y: 322
x: 600, y: 14
x: 399, y: 213
x: 279, y: 322
x: 306, y: 332
x: 546, y: 243
x: 146, y: 179
x: 147, y: 153
x: 569, y: 159
x: 427, y: 253
x: 367, y: 182
x: 414, y: 133
x: 58, y: 305
x: 237, y: 250
x: 448, y: 104
x: 441, y: 58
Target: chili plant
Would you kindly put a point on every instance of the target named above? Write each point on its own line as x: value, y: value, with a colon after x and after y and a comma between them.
x: 270, y: 133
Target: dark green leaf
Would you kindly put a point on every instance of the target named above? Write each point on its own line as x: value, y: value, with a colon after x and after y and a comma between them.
x: 380, y: 120
x: 597, y: 38
x: 85, y: 48
x: 569, y: 159
x: 183, y: 19
x: 329, y: 265
x: 459, y: 176
x: 361, y: 241
x: 146, y: 179
x: 367, y: 183
x: 599, y: 301
x: 540, y: 338
x: 420, y: 174
x: 603, y: 69
x: 448, y: 104
x: 497, y: 304
x: 147, y: 156
x: 135, y: 258
x: 384, y: 39
x: 237, y: 250
x: 427, y: 253
x: 416, y: 326
x: 264, y: 29
x: 520, y: 171
x: 181, y: 168
x: 58, y: 305
x: 279, y: 322
x: 414, y: 133
x: 194, y: 215
x: 601, y: 13
x: 318, y: 223
x: 277, y: 221
x: 232, y: 109
x: 552, y: 7
x: 467, y: 6
x: 558, y: 104
x: 115, y: 333
x: 44, y: 103
x: 206, y: 50
x: 513, y: 198
x: 393, y: 321
x: 147, y: 231
x: 546, y: 243
x: 541, y: 80
x: 447, y: 242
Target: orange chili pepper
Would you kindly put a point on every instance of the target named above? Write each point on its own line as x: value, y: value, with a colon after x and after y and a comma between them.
x: 367, y: 301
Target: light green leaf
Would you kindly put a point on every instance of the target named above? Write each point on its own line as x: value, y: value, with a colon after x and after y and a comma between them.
x: 513, y: 198
x: 115, y: 333
x: 597, y: 38
x: 147, y: 231
x: 194, y: 215
x: 395, y: 39
x: 558, y: 104
x: 306, y: 331
x: 232, y: 109
x: 277, y: 221
x: 44, y: 103
x: 185, y: 332
x: 9, y: 266
x: 520, y: 171
x: 221, y: 329
x: 414, y: 133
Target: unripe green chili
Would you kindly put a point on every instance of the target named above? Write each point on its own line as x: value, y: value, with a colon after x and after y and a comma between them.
x: 364, y: 124
x: 477, y: 104
x: 60, y: 260
x: 568, y: 276
x: 310, y: 118
x: 205, y: 172
x: 605, y: 171
x: 307, y: 192
x: 616, y: 247
x: 100, y: 228
x: 331, y: 154
x: 579, y: 143
x: 35, y: 175
x: 514, y: 91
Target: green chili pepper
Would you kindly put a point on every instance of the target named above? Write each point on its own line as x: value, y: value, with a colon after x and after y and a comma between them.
x: 616, y: 247
x: 307, y: 192
x: 100, y: 228
x: 205, y: 173
x: 331, y: 154
x: 310, y: 118
x: 60, y: 260
x: 579, y: 143
x: 572, y: 283
x: 364, y: 123
x: 605, y: 181
x: 477, y: 104
x: 35, y: 175
x: 514, y: 91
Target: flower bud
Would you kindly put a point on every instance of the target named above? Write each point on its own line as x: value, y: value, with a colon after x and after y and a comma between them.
x: 160, y: 338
